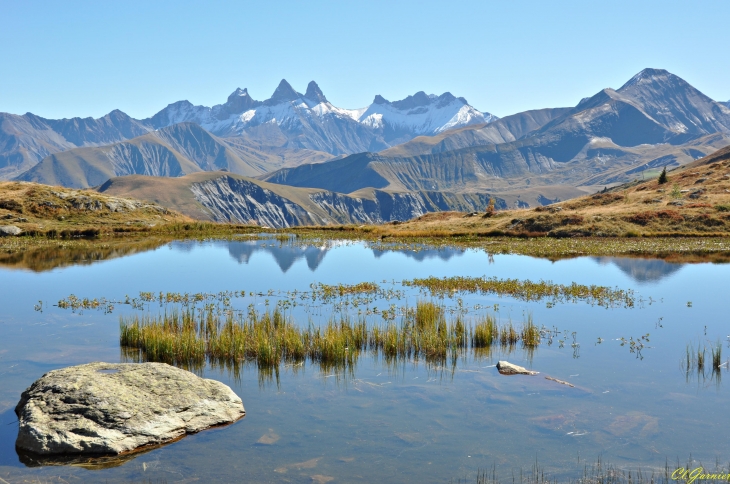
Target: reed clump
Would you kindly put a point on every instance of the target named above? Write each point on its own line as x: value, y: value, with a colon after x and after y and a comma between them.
x: 530, y: 333
x: 716, y: 353
x: 192, y: 336
x: 485, y: 333
x: 697, y: 360
x: 525, y: 290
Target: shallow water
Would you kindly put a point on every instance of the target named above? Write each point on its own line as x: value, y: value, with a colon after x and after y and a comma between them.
x: 409, y: 422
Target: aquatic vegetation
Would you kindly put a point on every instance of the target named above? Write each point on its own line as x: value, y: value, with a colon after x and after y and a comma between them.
x: 74, y: 303
x: 354, y: 295
x: 525, y: 290
x: 192, y: 336
x: 485, y: 332
x: 696, y: 361
x: 716, y: 355
x: 635, y: 345
x: 602, y: 472
x: 530, y: 333
x: 508, y: 335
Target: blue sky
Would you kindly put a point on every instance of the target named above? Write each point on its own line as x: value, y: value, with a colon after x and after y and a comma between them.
x: 75, y: 58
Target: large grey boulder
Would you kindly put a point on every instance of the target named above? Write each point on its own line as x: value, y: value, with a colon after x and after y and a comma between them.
x: 507, y: 368
x: 112, y: 408
x: 10, y: 230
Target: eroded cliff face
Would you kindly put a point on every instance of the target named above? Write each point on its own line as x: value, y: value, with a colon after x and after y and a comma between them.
x: 230, y: 199
x: 385, y: 207
x: 234, y: 200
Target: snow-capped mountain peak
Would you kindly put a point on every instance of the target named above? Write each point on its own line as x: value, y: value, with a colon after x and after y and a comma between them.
x: 315, y: 123
x: 422, y: 114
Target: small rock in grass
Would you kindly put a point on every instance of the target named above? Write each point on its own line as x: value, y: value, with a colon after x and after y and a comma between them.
x: 6, y: 230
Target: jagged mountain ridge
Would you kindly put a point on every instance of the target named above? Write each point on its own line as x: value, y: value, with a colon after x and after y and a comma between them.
x: 303, y: 121
x: 310, y: 121
x: 655, y: 119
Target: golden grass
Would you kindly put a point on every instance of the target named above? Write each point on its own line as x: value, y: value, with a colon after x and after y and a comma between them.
x: 192, y: 336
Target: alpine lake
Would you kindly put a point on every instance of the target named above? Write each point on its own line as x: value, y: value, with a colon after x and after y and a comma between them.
x: 640, y: 404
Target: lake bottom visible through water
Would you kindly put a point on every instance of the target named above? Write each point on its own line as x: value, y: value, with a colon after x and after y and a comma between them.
x: 404, y: 420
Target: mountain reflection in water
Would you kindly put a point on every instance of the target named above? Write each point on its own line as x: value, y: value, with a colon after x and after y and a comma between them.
x: 286, y: 254
x: 642, y: 270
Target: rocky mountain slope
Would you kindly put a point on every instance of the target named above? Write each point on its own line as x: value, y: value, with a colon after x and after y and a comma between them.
x: 504, y: 130
x: 656, y: 119
x: 25, y: 140
x: 695, y: 200
x: 172, y: 151
x: 225, y: 197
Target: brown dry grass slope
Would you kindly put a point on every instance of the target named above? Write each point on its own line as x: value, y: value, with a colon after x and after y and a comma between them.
x: 55, y: 211
x: 695, y: 201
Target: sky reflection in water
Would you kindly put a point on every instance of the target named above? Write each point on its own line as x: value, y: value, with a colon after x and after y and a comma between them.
x: 410, y: 422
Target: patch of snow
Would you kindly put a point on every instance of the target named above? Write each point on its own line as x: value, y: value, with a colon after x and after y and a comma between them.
x: 424, y: 120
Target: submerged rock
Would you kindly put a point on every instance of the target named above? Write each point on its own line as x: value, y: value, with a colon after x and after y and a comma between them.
x: 112, y: 408
x: 10, y: 230
x: 507, y: 368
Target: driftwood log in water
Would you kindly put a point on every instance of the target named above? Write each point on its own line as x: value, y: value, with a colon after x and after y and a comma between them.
x: 559, y: 381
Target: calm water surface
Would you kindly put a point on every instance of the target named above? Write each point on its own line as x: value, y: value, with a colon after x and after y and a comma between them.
x: 412, y: 422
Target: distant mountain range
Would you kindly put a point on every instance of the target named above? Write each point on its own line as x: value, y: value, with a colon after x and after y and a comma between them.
x: 656, y: 119
x: 288, y: 121
x: 310, y: 121
x: 383, y: 162
x: 25, y: 140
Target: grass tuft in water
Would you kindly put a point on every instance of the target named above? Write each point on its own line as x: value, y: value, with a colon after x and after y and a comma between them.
x: 530, y: 333
x: 192, y: 336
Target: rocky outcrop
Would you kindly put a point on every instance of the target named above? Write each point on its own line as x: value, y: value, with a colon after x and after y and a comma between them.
x: 6, y: 230
x: 384, y: 207
x: 236, y: 199
x: 79, y: 200
x: 507, y: 368
x: 107, y: 408
x: 230, y: 199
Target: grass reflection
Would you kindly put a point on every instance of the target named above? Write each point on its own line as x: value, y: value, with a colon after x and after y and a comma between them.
x: 192, y: 337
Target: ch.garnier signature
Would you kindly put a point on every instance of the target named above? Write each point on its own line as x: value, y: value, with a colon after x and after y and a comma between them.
x: 698, y: 474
